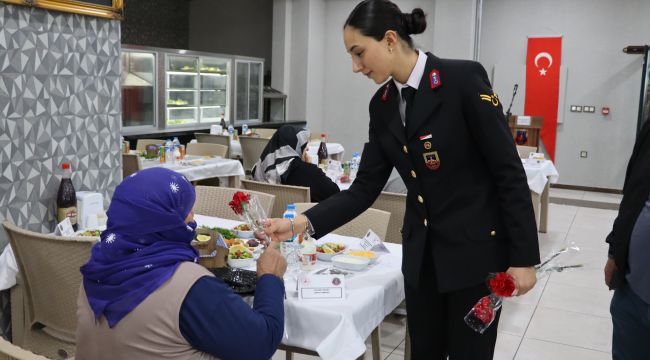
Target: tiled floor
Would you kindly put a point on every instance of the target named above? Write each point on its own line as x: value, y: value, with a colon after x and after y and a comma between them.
x: 566, y: 315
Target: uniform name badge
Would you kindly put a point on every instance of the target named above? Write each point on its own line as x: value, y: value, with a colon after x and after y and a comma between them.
x: 432, y: 160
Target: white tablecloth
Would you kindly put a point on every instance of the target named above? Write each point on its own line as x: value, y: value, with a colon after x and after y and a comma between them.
x: 235, y: 149
x: 539, y: 174
x: 332, y: 148
x: 211, y: 168
x: 334, y: 329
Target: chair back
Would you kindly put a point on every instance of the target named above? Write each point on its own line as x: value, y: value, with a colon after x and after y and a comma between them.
x: 524, y: 151
x: 205, y: 149
x: 213, y: 201
x: 142, y: 143
x: 374, y: 219
x: 214, y: 139
x: 284, y: 194
x: 49, y: 267
x: 130, y: 164
x: 264, y: 133
x: 9, y: 351
x: 251, y: 149
x: 395, y: 204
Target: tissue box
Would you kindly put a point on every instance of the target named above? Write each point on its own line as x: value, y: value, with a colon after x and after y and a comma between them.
x: 90, y: 205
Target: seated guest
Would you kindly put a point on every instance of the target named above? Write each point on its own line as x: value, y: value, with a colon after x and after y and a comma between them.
x: 285, y: 161
x: 144, y: 296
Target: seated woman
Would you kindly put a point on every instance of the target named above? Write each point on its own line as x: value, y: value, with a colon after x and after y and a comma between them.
x: 285, y: 161
x: 145, y: 297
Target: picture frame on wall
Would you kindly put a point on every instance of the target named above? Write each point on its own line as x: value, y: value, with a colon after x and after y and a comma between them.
x: 110, y: 9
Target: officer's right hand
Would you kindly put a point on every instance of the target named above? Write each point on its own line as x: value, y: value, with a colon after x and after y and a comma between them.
x: 280, y: 229
x: 271, y: 262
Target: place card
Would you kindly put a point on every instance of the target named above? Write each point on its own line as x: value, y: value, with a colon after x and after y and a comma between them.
x: 523, y: 120
x: 372, y: 242
x: 64, y: 228
x: 321, y: 287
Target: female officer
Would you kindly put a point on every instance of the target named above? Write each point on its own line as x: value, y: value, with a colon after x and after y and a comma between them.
x: 468, y: 210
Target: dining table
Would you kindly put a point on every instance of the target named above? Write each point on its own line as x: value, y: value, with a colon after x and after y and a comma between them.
x: 197, y: 168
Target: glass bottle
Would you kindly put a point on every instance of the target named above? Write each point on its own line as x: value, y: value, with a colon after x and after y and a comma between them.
x: 322, y: 150
x: 66, y: 198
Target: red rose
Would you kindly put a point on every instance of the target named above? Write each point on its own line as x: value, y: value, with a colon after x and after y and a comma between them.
x: 502, y: 284
x: 238, y: 201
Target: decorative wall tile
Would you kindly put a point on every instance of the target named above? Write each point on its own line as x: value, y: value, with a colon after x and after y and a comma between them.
x: 59, y: 102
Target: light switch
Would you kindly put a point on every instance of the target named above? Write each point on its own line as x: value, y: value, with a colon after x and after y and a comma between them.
x: 583, y: 154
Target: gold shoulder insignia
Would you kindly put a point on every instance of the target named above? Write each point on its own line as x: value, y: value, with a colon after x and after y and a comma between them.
x: 494, y: 99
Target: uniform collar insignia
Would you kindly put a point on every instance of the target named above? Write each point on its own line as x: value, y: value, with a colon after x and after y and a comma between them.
x: 434, y: 79
x: 384, y: 95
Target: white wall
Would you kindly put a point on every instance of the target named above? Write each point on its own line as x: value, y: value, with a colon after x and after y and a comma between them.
x: 454, y: 28
x: 598, y: 74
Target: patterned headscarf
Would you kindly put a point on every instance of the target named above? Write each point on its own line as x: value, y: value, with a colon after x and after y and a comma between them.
x: 145, y: 240
x: 286, y: 145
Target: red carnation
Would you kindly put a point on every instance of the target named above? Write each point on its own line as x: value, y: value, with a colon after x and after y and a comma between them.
x: 502, y: 284
x: 239, y: 200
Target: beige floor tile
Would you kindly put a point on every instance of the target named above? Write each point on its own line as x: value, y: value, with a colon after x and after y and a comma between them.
x: 515, y: 317
x: 506, y: 346
x: 602, y: 197
x: 588, y: 277
x: 571, y: 328
x: 531, y: 349
x: 532, y: 297
x: 577, y: 299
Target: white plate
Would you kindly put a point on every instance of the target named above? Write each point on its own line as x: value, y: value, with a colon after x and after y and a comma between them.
x: 350, y: 262
x: 327, y: 257
x: 241, y: 263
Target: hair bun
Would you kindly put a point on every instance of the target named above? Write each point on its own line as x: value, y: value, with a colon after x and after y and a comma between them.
x: 415, y: 22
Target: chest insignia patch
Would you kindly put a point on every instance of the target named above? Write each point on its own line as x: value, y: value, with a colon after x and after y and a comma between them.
x: 432, y: 160
x: 427, y: 145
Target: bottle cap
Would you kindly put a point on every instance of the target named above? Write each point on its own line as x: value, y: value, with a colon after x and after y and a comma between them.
x: 65, y: 166
x: 291, y: 206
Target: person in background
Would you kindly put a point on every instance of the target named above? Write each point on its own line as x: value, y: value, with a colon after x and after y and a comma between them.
x: 284, y: 160
x: 144, y: 296
x: 468, y: 209
x: 627, y: 270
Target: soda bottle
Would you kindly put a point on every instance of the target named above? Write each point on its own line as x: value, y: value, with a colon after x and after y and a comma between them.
x: 354, y: 165
x: 66, y: 198
x: 177, y: 149
x: 322, y: 150
x: 223, y: 123
x: 244, y: 129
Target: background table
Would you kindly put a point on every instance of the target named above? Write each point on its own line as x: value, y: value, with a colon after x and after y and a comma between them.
x: 540, y: 176
x: 211, y: 168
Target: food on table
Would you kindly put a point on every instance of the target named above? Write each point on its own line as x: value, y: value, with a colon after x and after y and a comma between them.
x: 239, y: 252
x: 330, y: 248
x: 202, y: 237
x: 243, y: 227
x: 93, y: 232
x: 360, y: 253
x: 252, y: 243
x: 226, y: 233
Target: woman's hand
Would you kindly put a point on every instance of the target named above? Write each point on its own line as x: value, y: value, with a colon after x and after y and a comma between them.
x: 271, y: 262
x: 525, y: 277
x: 280, y: 229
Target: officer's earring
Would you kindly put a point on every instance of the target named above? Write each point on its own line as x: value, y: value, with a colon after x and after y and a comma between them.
x: 390, y: 50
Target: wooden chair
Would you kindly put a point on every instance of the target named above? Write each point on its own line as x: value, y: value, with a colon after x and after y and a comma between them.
x: 205, y: 149
x: 130, y: 164
x: 524, y: 151
x: 9, y: 351
x: 374, y: 219
x: 214, y: 139
x: 142, y: 143
x: 395, y: 204
x: 251, y: 149
x: 213, y: 201
x: 284, y: 194
x: 264, y: 133
x: 50, y: 280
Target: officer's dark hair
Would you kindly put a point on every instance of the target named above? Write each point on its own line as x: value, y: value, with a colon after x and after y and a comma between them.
x: 374, y: 17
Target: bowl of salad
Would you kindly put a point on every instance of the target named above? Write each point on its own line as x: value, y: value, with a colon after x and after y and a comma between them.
x: 328, y: 250
x: 244, y: 231
x: 239, y: 256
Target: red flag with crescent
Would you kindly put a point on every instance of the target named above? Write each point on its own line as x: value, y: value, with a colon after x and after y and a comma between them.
x: 543, y: 85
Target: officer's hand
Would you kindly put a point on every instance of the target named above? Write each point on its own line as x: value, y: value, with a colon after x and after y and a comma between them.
x: 525, y: 277
x: 280, y: 229
x: 610, y: 269
x: 271, y: 262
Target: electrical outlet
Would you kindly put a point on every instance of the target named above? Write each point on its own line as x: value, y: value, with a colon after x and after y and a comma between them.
x: 583, y: 154
x: 589, y: 109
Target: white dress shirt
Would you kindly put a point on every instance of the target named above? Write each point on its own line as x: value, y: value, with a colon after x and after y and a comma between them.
x: 413, y: 81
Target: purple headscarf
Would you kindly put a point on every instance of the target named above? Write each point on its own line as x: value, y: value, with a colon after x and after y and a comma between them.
x: 145, y: 240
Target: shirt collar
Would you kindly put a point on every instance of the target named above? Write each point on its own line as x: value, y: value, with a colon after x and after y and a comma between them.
x: 416, y: 74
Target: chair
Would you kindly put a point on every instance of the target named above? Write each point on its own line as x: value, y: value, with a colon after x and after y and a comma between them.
x: 395, y: 204
x: 142, y: 143
x: 524, y: 151
x: 205, y: 149
x: 49, y: 276
x: 251, y: 149
x: 9, y: 351
x: 130, y: 164
x: 374, y: 219
x: 284, y: 194
x: 213, y: 201
x: 264, y: 133
x: 214, y: 139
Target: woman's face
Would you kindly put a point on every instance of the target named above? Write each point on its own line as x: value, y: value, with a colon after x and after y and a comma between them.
x: 369, y: 56
x: 190, y: 217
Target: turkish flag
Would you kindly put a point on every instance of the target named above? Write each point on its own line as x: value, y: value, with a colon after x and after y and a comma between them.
x: 543, y: 85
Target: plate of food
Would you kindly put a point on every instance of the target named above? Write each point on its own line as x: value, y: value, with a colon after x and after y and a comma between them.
x: 348, y: 262
x: 89, y: 233
x: 239, y: 256
x: 370, y: 255
x: 327, y: 250
x: 244, y: 231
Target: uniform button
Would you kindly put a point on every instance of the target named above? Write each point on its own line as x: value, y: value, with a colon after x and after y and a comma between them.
x: 413, y: 174
x: 405, y: 149
x: 426, y: 222
x: 420, y: 199
x: 493, y: 233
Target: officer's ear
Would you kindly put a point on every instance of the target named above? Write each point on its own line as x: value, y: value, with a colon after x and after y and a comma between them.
x: 391, y: 39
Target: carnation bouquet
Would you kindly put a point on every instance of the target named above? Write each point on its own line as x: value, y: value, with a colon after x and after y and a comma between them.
x: 250, y: 211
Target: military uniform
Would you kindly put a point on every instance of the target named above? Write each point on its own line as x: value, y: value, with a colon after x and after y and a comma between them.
x: 468, y: 208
